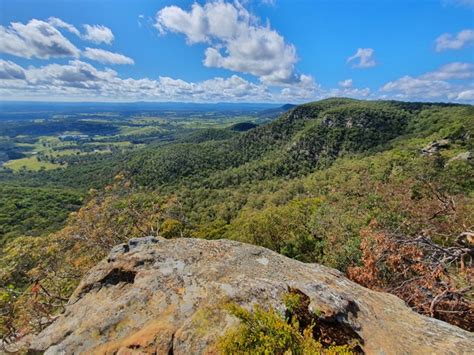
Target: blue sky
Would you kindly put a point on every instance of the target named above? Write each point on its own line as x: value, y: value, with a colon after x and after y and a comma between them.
x: 247, y: 51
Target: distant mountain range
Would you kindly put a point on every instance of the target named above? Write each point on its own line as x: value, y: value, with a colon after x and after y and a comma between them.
x: 275, y: 111
x: 94, y: 106
x: 17, y: 110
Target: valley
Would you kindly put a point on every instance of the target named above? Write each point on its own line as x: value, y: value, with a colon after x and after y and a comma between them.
x: 374, y: 189
x: 59, y: 136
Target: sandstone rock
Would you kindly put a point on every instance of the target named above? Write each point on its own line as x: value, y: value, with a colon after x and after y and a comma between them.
x: 462, y: 156
x: 165, y: 296
x: 435, y: 147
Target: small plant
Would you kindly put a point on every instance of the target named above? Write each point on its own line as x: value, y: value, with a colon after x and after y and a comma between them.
x: 266, y: 331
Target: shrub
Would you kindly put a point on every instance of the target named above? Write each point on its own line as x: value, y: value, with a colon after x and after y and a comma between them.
x: 432, y: 279
x: 269, y: 332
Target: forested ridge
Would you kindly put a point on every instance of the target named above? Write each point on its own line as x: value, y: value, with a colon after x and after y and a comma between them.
x: 381, y: 190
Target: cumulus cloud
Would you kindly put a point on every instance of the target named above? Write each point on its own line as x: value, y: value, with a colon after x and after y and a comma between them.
x: 80, y: 80
x: 417, y: 87
x: 345, y: 83
x: 10, y: 70
x: 35, y: 39
x: 98, y: 34
x: 449, y: 41
x: 301, y: 93
x: 106, y: 57
x: 441, y: 84
x: 58, y: 23
x: 236, y: 40
x: 466, y: 95
x: 346, y: 89
x: 363, y: 58
x: 451, y: 71
x: 76, y: 74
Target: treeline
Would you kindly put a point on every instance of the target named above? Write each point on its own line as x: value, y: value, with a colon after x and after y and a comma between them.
x: 53, y: 127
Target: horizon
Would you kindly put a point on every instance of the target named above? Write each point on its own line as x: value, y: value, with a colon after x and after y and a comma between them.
x: 245, y: 103
x: 184, y: 51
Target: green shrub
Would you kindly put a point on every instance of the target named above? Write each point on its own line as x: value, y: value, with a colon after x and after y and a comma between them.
x: 268, y: 332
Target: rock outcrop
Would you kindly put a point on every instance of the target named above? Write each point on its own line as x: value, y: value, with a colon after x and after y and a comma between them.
x: 435, y: 147
x: 464, y: 156
x: 166, y: 297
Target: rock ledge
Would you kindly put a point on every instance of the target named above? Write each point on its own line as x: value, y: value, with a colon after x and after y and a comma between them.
x: 163, y: 296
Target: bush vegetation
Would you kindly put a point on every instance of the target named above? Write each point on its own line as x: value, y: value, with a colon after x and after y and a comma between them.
x: 266, y: 331
x: 338, y: 182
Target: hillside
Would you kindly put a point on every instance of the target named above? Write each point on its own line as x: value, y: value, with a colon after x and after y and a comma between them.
x: 304, y: 139
x: 382, y: 191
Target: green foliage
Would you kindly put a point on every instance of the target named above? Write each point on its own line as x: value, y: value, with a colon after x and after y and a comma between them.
x: 261, y: 332
x: 58, y: 261
x: 243, y: 126
x: 34, y: 211
x: 210, y: 134
x: 171, y: 228
x: 287, y: 229
x: 268, y: 332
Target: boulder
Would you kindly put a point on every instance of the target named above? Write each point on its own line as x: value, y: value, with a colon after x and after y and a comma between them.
x: 435, y: 147
x: 464, y: 156
x: 167, y: 297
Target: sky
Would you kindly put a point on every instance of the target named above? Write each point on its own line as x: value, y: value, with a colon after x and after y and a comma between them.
x: 281, y: 51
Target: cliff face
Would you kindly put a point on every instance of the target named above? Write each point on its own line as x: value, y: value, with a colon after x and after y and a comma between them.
x: 167, y: 296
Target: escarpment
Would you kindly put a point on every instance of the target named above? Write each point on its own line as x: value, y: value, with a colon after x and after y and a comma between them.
x: 162, y: 296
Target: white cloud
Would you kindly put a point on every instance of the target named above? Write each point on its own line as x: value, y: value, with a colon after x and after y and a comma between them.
x: 355, y: 93
x: 466, y: 95
x: 345, y: 83
x: 451, y: 71
x: 106, y: 57
x: 441, y: 84
x: 363, y: 58
x: 58, y: 23
x: 76, y: 74
x: 140, y: 19
x: 449, y: 41
x: 411, y: 87
x: 193, y: 24
x: 305, y: 92
x: 98, y: 34
x: 11, y: 71
x: 236, y: 40
x: 346, y: 89
x: 35, y: 39
x: 78, y: 80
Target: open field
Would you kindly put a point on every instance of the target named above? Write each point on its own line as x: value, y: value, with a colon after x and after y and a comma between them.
x: 61, y: 139
x: 30, y: 163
